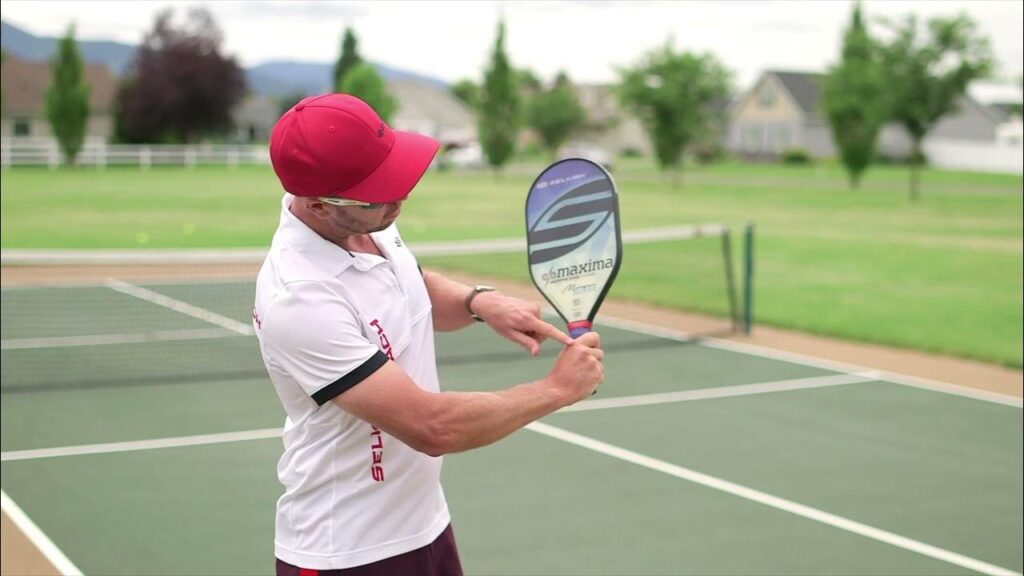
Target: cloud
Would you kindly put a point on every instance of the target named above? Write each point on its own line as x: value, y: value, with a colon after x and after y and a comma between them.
x: 786, y: 27
x: 292, y: 11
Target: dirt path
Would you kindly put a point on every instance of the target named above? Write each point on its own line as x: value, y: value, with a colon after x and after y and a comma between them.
x: 21, y: 557
x: 18, y: 556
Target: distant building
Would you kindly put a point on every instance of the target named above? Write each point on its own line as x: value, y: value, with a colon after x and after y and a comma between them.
x: 608, y: 124
x: 783, y: 111
x: 254, y: 117
x: 433, y: 110
x: 971, y: 122
x: 24, y: 99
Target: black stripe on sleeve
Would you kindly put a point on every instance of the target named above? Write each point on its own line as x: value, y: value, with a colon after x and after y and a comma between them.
x: 363, y: 371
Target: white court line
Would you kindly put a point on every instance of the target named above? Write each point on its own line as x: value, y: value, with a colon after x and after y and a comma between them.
x: 113, y: 447
x: 591, y: 444
x: 647, y: 399
x: 179, y: 306
x: 37, y: 537
x: 772, y: 501
x: 722, y: 392
x: 805, y: 360
x: 257, y: 255
x: 104, y: 339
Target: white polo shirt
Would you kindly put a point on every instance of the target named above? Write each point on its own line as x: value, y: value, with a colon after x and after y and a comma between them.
x: 326, y: 319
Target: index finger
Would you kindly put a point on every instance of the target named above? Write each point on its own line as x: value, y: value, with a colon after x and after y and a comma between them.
x: 549, y: 330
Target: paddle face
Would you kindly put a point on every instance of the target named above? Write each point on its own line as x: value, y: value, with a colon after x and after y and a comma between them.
x: 574, y: 245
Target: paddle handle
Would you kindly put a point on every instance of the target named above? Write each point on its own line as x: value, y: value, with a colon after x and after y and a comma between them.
x: 577, y: 329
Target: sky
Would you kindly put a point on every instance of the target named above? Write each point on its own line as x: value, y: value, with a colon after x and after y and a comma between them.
x: 452, y: 40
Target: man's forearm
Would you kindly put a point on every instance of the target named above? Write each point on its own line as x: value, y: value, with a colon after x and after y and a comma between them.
x: 448, y: 299
x: 467, y: 420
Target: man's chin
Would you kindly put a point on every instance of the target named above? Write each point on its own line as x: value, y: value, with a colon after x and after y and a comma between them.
x: 384, y: 225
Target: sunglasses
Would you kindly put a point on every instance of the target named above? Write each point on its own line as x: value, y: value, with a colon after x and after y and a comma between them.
x: 347, y: 202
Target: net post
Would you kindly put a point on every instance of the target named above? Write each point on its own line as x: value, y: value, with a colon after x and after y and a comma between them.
x: 730, y: 283
x: 748, y: 277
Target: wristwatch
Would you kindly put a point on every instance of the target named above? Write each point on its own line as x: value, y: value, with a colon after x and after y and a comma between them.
x: 469, y: 299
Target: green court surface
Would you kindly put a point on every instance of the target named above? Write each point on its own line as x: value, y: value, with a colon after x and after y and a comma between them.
x: 140, y: 435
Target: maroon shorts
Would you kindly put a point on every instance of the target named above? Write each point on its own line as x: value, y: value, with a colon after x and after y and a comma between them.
x: 439, y: 558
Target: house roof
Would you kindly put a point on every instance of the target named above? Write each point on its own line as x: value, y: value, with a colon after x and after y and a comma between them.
x: 804, y: 87
x: 422, y: 100
x: 1003, y: 112
x: 25, y: 84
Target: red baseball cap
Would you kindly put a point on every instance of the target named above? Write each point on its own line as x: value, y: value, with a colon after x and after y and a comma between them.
x: 336, y: 145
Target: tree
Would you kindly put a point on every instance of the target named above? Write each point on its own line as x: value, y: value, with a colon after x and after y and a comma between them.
x: 180, y: 88
x: 528, y: 82
x: 67, y: 98
x: 676, y: 97
x: 3, y: 98
x: 499, y: 106
x: 347, y: 60
x: 467, y: 91
x: 925, y: 78
x: 286, y: 102
x: 555, y: 113
x: 854, y: 99
x: 364, y: 82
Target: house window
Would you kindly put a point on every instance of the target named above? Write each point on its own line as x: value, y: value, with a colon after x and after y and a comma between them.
x: 22, y: 127
x: 752, y: 138
x: 779, y: 138
x: 767, y: 96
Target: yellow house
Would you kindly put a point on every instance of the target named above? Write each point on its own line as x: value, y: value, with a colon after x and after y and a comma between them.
x: 780, y: 112
x: 24, y: 99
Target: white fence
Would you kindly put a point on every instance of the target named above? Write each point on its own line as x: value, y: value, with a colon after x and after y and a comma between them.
x: 1003, y: 157
x: 101, y: 154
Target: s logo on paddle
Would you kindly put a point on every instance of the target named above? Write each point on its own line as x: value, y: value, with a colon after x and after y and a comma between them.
x: 570, y: 221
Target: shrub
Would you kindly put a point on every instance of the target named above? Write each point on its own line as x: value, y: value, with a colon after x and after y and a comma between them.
x: 896, y: 160
x: 796, y: 156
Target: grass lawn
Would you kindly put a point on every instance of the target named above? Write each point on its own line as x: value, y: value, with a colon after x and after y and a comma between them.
x: 943, y: 275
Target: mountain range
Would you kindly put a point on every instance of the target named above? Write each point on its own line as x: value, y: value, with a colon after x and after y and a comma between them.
x: 276, y: 78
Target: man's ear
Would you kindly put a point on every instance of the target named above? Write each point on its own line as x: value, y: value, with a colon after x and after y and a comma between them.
x: 314, y: 207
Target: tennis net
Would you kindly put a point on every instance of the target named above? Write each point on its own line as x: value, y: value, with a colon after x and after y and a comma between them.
x: 112, y: 319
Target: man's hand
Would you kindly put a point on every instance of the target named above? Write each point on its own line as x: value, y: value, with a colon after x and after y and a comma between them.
x: 579, y: 369
x: 517, y: 320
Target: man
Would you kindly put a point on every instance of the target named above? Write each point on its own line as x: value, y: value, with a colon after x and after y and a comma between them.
x: 345, y: 321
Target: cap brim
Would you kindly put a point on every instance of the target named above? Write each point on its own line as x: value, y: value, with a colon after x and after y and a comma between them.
x: 398, y: 174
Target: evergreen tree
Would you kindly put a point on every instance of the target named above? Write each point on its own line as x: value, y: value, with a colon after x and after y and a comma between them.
x: 854, y: 99
x: 67, y: 98
x: 347, y: 60
x: 499, y: 106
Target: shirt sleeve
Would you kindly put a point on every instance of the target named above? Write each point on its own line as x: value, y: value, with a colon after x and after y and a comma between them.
x: 315, y: 337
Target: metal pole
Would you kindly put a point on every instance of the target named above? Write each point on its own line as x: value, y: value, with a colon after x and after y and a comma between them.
x: 748, y: 278
x: 730, y: 283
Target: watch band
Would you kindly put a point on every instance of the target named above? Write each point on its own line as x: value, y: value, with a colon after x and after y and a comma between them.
x: 469, y: 300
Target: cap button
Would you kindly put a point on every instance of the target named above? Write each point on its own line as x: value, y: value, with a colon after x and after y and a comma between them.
x: 299, y: 107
